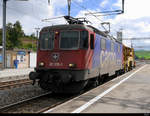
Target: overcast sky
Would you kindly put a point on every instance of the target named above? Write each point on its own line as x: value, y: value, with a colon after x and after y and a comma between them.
x: 135, y: 21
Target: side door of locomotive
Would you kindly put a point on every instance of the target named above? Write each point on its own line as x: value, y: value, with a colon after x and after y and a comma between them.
x: 92, y: 56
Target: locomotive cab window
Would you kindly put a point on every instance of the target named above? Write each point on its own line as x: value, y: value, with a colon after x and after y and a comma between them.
x: 92, y: 41
x: 47, y: 40
x: 103, y: 44
x: 69, y: 40
x: 84, y: 40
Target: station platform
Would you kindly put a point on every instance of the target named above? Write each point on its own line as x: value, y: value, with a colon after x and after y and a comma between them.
x: 128, y: 93
x: 14, y: 74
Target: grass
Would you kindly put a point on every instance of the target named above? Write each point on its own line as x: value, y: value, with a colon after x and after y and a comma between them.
x: 143, y: 55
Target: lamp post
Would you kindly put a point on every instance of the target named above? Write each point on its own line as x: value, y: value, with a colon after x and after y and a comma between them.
x: 4, y: 36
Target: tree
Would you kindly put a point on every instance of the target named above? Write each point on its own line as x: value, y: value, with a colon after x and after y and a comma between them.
x: 15, y: 36
x: 1, y: 37
x: 14, y: 32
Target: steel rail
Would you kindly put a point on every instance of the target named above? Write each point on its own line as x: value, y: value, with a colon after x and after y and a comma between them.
x: 14, y: 83
x: 22, y: 101
x: 58, y: 103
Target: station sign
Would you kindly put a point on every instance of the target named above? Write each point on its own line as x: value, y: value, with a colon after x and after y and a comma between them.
x: 21, y: 53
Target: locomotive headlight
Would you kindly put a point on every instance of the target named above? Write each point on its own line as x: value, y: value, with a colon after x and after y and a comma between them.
x: 41, y: 64
x: 72, y: 65
x: 56, y: 32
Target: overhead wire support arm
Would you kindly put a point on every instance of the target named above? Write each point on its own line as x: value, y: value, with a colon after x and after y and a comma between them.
x: 115, y: 11
x: 109, y: 14
x: 106, y: 13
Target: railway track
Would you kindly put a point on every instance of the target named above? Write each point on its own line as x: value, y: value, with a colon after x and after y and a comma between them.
x: 16, y: 105
x: 40, y: 103
x: 28, y: 105
x: 37, y: 104
x: 13, y: 84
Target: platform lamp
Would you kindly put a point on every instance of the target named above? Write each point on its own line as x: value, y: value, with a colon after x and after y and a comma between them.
x: 4, y: 33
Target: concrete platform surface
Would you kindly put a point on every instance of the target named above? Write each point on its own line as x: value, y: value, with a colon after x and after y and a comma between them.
x: 14, y: 74
x: 129, y: 93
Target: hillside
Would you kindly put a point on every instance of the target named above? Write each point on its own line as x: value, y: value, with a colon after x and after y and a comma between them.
x: 29, y: 43
x: 143, y: 55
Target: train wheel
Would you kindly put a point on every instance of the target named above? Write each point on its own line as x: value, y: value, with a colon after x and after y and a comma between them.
x: 131, y: 67
x: 44, y: 85
x: 118, y: 73
x: 44, y: 82
x: 127, y: 68
x: 72, y: 88
x: 101, y: 80
x: 123, y: 71
x: 96, y: 82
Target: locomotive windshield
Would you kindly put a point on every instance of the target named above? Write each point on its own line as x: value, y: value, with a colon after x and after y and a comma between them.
x: 69, y: 40
x: 47, y: 40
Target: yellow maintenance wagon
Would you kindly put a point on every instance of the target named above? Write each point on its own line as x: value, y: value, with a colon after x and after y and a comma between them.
x: 128, y: 58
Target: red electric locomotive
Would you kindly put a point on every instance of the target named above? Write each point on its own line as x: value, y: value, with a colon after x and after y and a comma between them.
x: 67, y: 58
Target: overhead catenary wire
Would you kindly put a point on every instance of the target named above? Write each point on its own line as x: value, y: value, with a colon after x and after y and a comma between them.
x: 37, y: 17
x: 96, y: 15
x: 108, y: 13
x: 87, y: 10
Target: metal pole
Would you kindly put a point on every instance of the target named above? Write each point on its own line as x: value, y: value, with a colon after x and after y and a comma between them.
x: 69, y: 5
x: 122, y: 6
x: 32, y: 43
x: 37, y: 35
x: 4, y: 36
